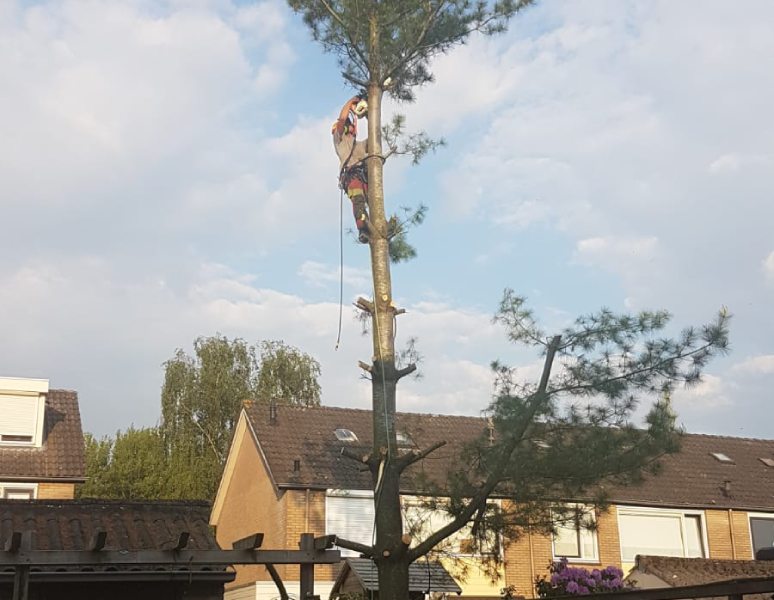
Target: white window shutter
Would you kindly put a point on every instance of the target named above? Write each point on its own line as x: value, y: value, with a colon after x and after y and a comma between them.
x: 351, y: 518
x: 19, y: 415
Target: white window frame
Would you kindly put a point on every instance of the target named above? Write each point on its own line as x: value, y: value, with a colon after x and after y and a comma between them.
x: 6, y: 486
x: 757, y: 515
x: 665, y: 512
x: 594, y: 558
x: 360, y: 494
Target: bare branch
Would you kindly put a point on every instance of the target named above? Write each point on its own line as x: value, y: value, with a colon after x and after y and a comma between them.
x: 361, y: 458
x: 365, y: 366
x: 365, y: 305
x: 412, y: 457
x: 407, y: 370
x: 366, y: 551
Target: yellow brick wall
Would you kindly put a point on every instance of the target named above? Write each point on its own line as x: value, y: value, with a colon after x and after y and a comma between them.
x: 724, y: 526
x: 250, y: 505
x: 305, y: 512
x: 56, y: 491
x: 530, y: 556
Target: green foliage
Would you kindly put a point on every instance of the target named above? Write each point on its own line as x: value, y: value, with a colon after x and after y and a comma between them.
x: 131, y: 466
x: 288, y: 375
x: 203, y: 394
x: 571, y: 434
x: 200, y: 401
x: 397, y: 231
x: 415, y: 145
x: 375, y: 41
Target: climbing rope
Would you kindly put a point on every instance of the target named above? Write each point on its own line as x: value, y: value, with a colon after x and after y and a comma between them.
x: 341, y: 264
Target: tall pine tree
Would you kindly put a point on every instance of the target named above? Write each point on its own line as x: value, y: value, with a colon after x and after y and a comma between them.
x: 386, y: 47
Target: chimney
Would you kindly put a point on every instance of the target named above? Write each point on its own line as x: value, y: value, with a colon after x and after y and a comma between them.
x: 491, y: 429
x: 726, y: 489
x: 272, y: 413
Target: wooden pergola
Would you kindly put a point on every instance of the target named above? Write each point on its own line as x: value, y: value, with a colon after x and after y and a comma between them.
x: 27, y: 563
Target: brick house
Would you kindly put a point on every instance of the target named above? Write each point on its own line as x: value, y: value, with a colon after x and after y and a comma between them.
x: 41, y: 440
x: 286, y: 474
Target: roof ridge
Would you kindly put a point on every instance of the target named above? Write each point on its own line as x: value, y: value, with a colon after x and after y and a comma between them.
x: 368, y: 410
x: 728, y: 437
x: 105, y: 501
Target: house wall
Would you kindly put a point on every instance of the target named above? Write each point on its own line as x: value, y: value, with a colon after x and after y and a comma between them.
x: 530, y: 556
x: 251, y: 505
x: 728, y: 534
x: 305, y: 513
x: 56, y: 491
x: 728, y: 537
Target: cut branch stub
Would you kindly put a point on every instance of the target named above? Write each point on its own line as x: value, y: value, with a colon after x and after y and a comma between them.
x: 400, y: 373
x: 365, y: 305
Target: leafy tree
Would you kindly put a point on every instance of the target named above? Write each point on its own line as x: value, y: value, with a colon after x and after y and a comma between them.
x: 288, y: 375
x: 131, y: 466
x: 202, y: 395
x: 608, y: 361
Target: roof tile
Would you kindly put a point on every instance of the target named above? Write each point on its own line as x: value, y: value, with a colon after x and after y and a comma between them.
x: 62, y: 455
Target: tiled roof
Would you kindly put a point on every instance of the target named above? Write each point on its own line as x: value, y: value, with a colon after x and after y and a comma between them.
x: 692, y: 477
x: 423, y: 576
x: 307, y: 434
x: 70, y: 524
x: 62, y: 453
x: 697, y: 571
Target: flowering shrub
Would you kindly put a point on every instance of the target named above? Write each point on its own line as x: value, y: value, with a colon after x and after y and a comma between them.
x: 574, y: 581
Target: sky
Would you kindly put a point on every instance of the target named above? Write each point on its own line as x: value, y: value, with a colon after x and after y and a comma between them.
x: 167, y: 172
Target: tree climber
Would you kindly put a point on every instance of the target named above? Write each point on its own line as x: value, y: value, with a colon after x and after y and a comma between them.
x: 353, y: 174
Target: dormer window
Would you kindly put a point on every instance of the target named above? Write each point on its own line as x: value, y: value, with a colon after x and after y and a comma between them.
x: 22, y: 408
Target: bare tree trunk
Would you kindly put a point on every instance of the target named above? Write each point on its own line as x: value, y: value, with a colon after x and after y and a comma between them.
x: 390, y: 548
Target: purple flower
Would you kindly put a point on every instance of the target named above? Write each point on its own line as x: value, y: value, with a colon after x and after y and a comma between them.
x: 591, y: 582
x: 582, y: 590
x: 596, y: 574
x: 615, y: 583
x: 572, y: 588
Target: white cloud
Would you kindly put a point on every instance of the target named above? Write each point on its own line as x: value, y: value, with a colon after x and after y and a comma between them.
x: 768, y: 266
x: 756, y: 365
x: 318, y: 274
x: 710, y: 394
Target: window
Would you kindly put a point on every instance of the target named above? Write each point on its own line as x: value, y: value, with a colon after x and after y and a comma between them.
x: 660, y: 532
x: 22, y: 407
x: 345, y: 435
x: 420, y: 520
x: 349, y: 514
x: 575, y: 537
x: 18, y: 491
x: 724, y: 458
x: 762, y: 531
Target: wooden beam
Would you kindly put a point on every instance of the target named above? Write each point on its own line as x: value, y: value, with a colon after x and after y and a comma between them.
x: 168, y: 557
x: 251, y: 542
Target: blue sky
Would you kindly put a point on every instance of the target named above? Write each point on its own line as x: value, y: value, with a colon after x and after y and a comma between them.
x: 168, y: 172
